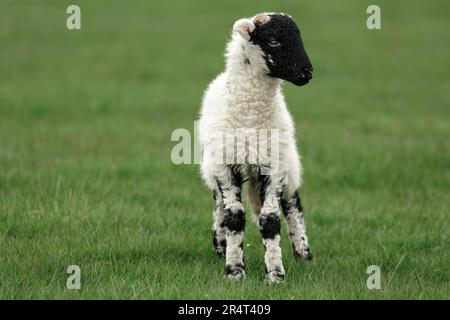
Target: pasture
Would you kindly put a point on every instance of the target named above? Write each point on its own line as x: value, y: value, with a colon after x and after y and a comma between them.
x: 85, y: 171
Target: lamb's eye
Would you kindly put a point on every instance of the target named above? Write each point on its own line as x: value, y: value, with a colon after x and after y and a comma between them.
x: 274, y: 43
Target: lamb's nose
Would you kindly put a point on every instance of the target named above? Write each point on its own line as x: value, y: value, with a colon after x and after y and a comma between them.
x: 307, y: 73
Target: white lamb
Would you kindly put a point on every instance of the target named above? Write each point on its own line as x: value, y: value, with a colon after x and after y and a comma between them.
x: 244, y: 100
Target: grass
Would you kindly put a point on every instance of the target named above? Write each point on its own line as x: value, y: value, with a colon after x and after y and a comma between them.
x: 85, y: 171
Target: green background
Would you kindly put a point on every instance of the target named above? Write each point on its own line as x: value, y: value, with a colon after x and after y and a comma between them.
x: 85, y: 170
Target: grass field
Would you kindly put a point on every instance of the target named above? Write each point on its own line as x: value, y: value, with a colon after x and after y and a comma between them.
x: 86, y: 177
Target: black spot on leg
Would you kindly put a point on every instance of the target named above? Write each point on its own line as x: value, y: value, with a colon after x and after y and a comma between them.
x: 221, y: 243
x: 270, y: 226
x: 298, y: 203
x: 292, y: 202
x: 215, y: 243
x: 234, y: 221
x: 219, y: 246
x: 246, y: 61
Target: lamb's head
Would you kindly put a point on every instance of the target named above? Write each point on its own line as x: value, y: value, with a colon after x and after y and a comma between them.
x: 276, y: 38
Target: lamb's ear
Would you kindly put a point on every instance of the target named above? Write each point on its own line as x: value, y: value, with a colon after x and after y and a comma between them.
x: 244, y: 27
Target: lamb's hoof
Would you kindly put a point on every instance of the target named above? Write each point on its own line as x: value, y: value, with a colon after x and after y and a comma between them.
x: 235, y: 273
x: 275, y: 276
x: 304, y: 254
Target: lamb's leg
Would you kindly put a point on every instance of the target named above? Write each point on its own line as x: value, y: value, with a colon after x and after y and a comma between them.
x: 269, y: 223
x: 219, y: 232
x: 234, y: 221
x: 293, y: 212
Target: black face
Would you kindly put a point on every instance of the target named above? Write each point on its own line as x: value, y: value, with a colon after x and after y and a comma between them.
x: 285, y: 55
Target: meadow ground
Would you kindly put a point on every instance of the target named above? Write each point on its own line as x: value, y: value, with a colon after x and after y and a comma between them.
x: 86, y: 177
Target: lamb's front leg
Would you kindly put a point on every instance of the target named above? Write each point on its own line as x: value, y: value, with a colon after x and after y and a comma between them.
x: 269, y: 224
x: 230, y: 186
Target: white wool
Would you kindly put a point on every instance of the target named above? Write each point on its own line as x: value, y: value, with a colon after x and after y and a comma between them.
x: 244, y: 96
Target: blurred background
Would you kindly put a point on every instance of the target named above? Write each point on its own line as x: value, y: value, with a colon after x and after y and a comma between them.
x: 86, y: 177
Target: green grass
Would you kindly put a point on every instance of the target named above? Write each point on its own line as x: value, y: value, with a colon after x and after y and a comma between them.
x: 85, y: 171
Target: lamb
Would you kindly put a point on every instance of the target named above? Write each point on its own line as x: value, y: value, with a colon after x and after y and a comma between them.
x: 264, y: 50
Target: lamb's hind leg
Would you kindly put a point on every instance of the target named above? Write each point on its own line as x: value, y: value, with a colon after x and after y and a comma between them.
x: 293, y: 212
x: 219, y: 232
